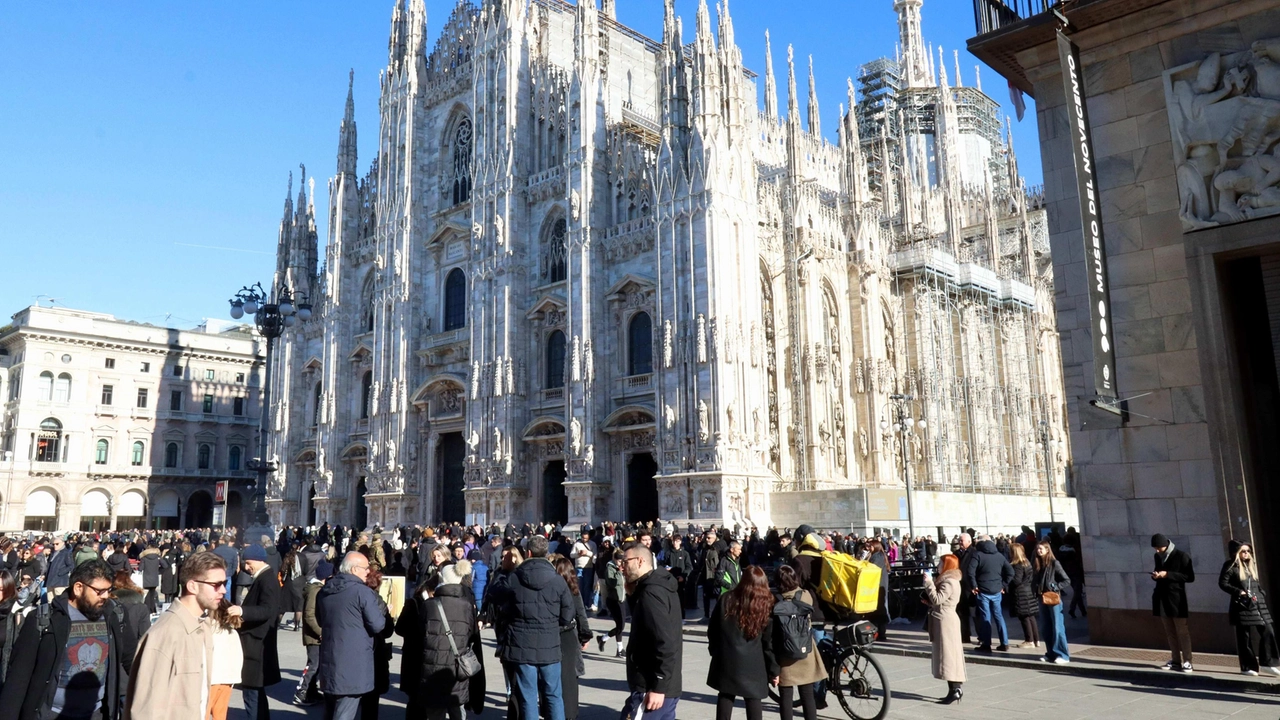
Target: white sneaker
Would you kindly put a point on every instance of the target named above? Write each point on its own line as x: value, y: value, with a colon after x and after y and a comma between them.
x: 1060, y: 661
x: 1169, y: 666
x: 1186, y: 667
x: 1251, y: 673
x: 1273, y: 670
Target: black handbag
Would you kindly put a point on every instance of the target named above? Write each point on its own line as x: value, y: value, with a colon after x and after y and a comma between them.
x: 465, y: 663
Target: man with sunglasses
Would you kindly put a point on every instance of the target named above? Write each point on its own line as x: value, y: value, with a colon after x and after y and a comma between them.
x: 70, y: 665
x: 170, y: 676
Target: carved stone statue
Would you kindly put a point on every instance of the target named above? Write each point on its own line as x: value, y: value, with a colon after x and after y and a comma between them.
x: 704, y: 421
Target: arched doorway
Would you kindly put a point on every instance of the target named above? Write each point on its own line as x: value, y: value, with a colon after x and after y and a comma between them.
x: 310, y: 512
x: 199, y: 510
x: 453, y: 452
x: 164, y: 510
x: 131, y: 512
x: 95, y: 511
x: 555, y: 502
x: 642, y: 490
x: 41, y: 511
x: 235, y: 510
x: 362, y: 507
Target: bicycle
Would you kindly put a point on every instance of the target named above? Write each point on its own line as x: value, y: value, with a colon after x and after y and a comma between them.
x: 857, y: 678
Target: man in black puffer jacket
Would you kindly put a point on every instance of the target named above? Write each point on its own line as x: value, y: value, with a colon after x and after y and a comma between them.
x: 655, y: 655
x: 534, y: 605
x: 989, y: 573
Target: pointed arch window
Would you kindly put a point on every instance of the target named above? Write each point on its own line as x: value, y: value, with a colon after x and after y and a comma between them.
x: 462, y: 137
x: 640, y: 345
x: 555, y: 360
x: 101, y: 452
x: 455, y: 300
x: 366, y: 392
x: 555, y: 265
x: 366, y: 305
x: 316, y: 403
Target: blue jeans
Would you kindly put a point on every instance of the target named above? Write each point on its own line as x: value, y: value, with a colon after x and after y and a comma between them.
x: 635, y: 702
x: 532, y: 680
x: 587, y: 585
x: 989, y: 607
x: 1053, y: 633
x: 255, y: 703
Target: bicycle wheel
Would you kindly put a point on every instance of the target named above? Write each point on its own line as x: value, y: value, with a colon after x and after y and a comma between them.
x: 861, y: 685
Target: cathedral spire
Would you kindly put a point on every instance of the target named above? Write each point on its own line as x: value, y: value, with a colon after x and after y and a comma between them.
x: 610, y: 9
x: 288, y: 200
x: 815, y: 117
x: 417, y: 29
x: 726, y: 24
x: 942, y: 68
x: 793, y: 103
x: 915, y: 59
x: 398, y: 43
x: 959, y: 80
x: 347, y: 131
x: 770, y: 85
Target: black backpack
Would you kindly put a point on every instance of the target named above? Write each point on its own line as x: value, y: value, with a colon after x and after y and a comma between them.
x: 793, y: 629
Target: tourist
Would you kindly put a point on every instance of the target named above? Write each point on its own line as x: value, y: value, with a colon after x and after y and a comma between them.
x: 227, y: 667
x: 965, y: 552
x: 350, y: 617
x: 170, y: 586
x: 1173, y: 570
x: 61, y: 563
x: 1026, y: 601
x: 801, y: 675
x: 381, y: 650
x: 1072, y: 559
x: 615, y: 599
x: 942, y: 595
x: 136, y: 617
x: 82, y: 622
x: 729, y: 572
x: 1248, y: 610
x: 532, y: 607
x: 306, y: 693
x: 260, y: 611
x: 713, y: 549
x: 1050, y: 580
x: 479, y: 576
x: 679, y: 563
x: 655, y: 653
x: 742, y: 660
x: 877, y: 556
x: 988, y: 574
x: 583, y: 555
x: 151, y: 563
x: 173, y: 666
x: 9, y: 620
x: 292, y: 584
x: 573, y: 640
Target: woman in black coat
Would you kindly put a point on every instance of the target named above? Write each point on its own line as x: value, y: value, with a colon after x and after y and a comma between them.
x: 169, y: 575
x: 1248, y: 611
x: 439, y: 689
x: 573, y: 640
x: 742, y: 660
x: 1026, y: 602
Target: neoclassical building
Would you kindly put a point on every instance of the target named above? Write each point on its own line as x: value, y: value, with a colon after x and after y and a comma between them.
x: 588, y: 277
x: 108, y: 424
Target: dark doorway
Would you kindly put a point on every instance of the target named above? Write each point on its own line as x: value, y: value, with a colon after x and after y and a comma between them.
x: 1250, y: 305
x: 453, y: 452
x: 362, y: 507
x: 199, y: 510
x: 311, y: 506
x: 555, y: 503
x: 642, y: 490
x: 235, y: 510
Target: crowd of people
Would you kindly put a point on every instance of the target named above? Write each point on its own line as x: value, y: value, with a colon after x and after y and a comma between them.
x: 166, y: 624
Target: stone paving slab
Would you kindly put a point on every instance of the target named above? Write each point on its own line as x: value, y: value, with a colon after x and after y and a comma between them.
x: 993, y: 691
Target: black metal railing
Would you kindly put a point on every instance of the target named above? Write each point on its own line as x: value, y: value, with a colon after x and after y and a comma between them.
x: 991, y: 15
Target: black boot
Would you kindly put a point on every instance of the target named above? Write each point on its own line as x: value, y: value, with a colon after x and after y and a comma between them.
x: 955, y: 692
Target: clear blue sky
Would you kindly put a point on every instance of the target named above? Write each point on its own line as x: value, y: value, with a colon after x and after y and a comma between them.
x: 138, y: 136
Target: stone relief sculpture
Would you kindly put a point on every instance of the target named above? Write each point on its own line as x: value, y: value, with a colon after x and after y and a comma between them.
x: 1224, y: 119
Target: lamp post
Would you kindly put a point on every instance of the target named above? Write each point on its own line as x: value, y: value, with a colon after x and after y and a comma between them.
x: 271, y: 316
x: 905, y: 426
x: 1049, y: 444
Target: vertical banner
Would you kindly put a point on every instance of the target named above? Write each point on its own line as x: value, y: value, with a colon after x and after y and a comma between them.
x: 1095, y: 252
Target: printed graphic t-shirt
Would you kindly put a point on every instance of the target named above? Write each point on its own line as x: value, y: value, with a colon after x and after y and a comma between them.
x: 82, y: 672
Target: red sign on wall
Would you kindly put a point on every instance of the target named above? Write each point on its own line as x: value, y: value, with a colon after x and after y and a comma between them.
x: 220, y: 492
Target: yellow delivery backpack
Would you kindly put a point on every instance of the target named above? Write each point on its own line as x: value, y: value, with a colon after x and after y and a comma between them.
x: 849, y: 583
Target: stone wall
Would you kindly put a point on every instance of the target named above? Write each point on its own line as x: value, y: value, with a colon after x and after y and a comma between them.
x: 1156, y: 473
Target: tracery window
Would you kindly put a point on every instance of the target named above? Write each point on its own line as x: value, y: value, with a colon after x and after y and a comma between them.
x: 555, y: 261
x: 366, y: 305
x: 462, y: 138
x: 455, y: 300
x: 640, y: 345
x: 555, y: 360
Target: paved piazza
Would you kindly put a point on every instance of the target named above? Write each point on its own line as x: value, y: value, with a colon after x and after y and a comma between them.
x: 992, y: 693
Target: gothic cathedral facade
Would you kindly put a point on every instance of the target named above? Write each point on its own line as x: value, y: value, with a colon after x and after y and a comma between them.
x: 586, y: 277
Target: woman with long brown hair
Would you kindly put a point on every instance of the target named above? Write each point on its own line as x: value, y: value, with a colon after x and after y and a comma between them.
x: 943, y: 594
x: 1026, y: 602
x: 573, y: 640
x: 742, y: 660
x: 1050, y: 580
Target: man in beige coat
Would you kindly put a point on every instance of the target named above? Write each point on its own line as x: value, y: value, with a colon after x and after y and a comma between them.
x: 170, y: 678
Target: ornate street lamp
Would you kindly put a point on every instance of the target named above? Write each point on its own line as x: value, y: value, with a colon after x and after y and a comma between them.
x: 905, y: 425
x: 272, y: 317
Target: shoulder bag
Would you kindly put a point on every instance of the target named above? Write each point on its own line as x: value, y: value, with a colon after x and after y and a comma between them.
x: 1050, y: 597
x: 465, y: 663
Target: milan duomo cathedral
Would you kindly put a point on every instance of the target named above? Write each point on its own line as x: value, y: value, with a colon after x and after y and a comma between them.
x: 587, y: 277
